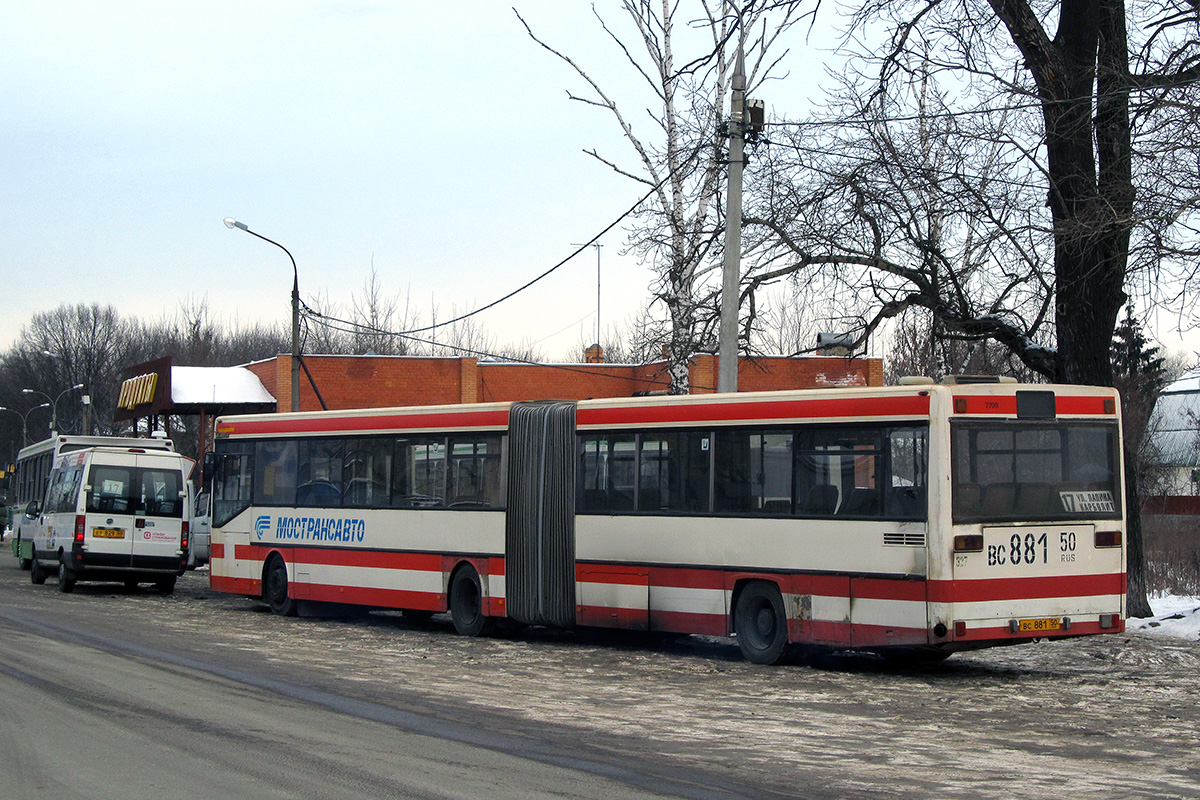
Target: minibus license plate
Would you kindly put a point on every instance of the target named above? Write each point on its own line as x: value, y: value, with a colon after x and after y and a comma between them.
x: 1036, y: 625
x: 108, y: 533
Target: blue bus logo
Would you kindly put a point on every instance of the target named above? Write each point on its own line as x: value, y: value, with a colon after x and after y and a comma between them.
x: 261, y: 526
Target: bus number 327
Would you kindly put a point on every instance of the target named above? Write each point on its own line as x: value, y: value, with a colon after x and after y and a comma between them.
x: 1027, y: 549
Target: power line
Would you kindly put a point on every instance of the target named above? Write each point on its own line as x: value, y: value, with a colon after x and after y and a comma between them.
x: 335, y: 324
x: 525, y: 286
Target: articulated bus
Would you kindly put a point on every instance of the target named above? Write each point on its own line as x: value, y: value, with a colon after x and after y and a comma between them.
x: 33, y: 472
x: 914, y: 521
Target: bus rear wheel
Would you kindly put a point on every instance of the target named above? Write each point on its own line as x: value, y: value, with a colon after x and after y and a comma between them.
x: 276, y: 589
x: 760, y: 623
x: 466, y: 603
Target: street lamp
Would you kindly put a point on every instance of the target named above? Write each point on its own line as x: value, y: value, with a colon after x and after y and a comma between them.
x: 53, y: 403
x: 232, y: 223
x: 24, y: 420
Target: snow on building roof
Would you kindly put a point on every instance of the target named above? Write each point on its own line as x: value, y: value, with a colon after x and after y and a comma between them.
x: 217, y: 386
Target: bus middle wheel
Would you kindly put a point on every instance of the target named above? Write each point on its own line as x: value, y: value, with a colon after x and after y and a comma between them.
x: 466, y: 603
x: 760, y: 623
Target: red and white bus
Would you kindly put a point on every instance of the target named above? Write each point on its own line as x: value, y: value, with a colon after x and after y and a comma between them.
x: 915, y: 520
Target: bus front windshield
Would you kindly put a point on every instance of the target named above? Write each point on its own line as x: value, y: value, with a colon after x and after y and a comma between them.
x: 1009, y: 471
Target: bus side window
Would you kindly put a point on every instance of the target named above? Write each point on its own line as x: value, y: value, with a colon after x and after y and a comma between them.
x: 474, y: 473
x: 319, y: 472
x: 606, y: 472
x: 673, y: 470
x: 275, y: 473
x: 419, y: 474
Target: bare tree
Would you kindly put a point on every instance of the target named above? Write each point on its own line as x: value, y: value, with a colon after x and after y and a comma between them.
x: 681, y: 157
x: 1090, y: 143
x: 374, y: 314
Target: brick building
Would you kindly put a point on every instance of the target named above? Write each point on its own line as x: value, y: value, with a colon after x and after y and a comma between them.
x: 379, y: 381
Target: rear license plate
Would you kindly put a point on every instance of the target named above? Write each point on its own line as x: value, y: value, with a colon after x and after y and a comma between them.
x: 108, y: 533
x: 1036, y: 625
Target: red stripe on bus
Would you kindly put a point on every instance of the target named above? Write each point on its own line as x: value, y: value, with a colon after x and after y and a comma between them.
x: 1078, y: 628
x: 338, y: 557
x: 224, y: 583
x: 1084, y: 405
x: 862, y: 635
x: 902, y: 405
x: 990, y: 589
x: 365, y: 596
x: 619, y: 574
x: 492, y: 418
x: 1064, y: 405
x: 689, y: 622
x: 883, y: 589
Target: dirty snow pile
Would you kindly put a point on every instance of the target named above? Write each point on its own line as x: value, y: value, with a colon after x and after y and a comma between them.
x: 1177, y: 617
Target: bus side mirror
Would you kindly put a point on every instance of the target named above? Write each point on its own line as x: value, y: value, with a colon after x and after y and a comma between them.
x: 210, y: 466
x: 33, y: 509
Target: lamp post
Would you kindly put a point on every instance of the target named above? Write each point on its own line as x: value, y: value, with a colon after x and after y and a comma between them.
x: 25, y: 420
x: 231, y: 223
x: 54, y: 403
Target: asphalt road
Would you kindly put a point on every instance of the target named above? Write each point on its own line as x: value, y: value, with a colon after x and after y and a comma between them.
x: 111, y: 693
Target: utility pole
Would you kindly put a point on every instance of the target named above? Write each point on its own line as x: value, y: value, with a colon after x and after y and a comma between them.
x: 727, y: 347
x: 597, y: 246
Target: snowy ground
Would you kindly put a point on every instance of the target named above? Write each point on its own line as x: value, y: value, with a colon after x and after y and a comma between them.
x: 1177, y: 617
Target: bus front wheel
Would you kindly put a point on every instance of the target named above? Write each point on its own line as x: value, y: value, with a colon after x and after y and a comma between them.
x: 760, y: 623
x: 466, y: 603
x: 276, y: 592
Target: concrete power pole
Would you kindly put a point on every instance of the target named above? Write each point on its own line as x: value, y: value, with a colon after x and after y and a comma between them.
x: 727, y: 347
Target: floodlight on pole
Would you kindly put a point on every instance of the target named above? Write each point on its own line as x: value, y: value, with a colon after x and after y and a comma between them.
x: 24, y: 420
x: 54, y: 409
x: 232, y: 223
x: 597, y: 246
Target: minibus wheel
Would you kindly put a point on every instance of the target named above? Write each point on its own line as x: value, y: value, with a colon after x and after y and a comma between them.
x: 36, y: 574
x: 66, y: 578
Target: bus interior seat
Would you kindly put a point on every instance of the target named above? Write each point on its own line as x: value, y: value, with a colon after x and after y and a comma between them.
x: 1033, y: 498
x: 777, y: 507
x: 967, y: 498
x: 596, y: 500
x: 906, y: 502
x: 861, y: 503
x: 822, y: 500
x: 999, y: 498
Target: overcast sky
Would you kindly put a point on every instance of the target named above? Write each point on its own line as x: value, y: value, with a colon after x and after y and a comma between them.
x: 434, y: 140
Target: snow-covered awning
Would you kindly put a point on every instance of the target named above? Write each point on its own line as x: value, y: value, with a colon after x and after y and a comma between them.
x: 217, y: 386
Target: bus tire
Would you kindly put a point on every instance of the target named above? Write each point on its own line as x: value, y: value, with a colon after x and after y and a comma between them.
x: 466, y: 602
x: 165, y: 585
x: 37, y: 575
x: 275, y: 589
x: 760, y: 623
x: 66, y: 578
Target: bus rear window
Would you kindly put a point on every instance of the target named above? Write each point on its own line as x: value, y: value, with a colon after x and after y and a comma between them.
x: 1035, y: 471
